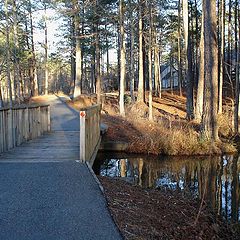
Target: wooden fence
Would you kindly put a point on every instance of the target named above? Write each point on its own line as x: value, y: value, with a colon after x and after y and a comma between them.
x: 90, y: 137
x: 18, y: 125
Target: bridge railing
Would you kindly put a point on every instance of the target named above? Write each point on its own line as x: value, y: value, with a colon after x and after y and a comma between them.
x: 20, y: 124
x: 90, y: 137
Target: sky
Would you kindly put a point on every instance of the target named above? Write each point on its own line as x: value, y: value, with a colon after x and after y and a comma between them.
x: 53, y: 32
x: 53, y: 28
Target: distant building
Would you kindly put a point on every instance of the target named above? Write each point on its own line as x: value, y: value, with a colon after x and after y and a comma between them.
x: 169, y: 76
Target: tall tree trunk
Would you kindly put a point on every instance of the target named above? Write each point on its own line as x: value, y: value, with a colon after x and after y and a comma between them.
x: 107, y: 53
x: 171, y: 74
x: 222, y: 57
x: 200, y: 88
x: 46, y: 51
x: 132, y: 69
x: 156, y: 69
x: 122, y: 59
x: 16, y: 59
x: 150, y: 62
x: 230, y: 39
x: 32, y: 58
x: 179, y: 49
x: 78, y: 60
x: 8, y: 57
x: 210, y: 106
x: 188, y: 49
x: 196, y: 75
x: 73, y: 55
x: 97, y: 47
x: 237, y: 53
x: 141, y: 81
x: 93, y: 70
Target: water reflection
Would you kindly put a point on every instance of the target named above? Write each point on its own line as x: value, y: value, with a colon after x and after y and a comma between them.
x: 216, y: 178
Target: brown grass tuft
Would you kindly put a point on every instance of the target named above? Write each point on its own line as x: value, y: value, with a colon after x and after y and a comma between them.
x: 169, y: 134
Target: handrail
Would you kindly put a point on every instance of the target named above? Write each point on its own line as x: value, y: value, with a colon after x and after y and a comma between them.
x: 90, y: 137
x: 20, y: 124
x: 24, y: 107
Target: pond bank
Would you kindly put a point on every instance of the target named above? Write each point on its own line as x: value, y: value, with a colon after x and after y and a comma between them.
x: 169, y: 134
x: 152, y: 214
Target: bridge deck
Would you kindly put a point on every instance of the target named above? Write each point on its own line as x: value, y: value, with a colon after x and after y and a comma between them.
x: 46, y: 194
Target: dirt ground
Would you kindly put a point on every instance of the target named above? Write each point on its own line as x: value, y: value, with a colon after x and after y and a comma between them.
x: 153, y: 214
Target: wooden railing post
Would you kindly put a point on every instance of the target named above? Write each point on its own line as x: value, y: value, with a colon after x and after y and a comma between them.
x: 89, y: 133
x: 82, y: 136
x: 48, y: 119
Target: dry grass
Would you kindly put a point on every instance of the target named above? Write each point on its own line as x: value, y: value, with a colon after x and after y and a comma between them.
x: 169, y: 134
x: 160, y: 139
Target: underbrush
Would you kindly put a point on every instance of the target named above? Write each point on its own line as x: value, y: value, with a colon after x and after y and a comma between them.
x: 169, y: 134
x: 160, y: 139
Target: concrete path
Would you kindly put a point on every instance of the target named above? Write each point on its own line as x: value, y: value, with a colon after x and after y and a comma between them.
x: 45, y: 193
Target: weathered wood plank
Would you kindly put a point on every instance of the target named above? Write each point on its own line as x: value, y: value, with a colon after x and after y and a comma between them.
x: 20, y: 124
x: 56, y: 146
x: 89, y: 132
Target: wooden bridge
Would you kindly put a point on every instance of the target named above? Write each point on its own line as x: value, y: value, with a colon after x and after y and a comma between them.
x: 46, y: 189
x: 70, y: 142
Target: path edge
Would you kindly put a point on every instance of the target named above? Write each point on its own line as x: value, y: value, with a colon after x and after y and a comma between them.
x: 104, y: 196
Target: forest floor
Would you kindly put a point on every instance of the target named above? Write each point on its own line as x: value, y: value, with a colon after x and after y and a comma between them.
x: 170, y: 133
x: 162, y: 214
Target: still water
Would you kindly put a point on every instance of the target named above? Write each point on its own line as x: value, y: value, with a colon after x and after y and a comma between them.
x: 217, y: 178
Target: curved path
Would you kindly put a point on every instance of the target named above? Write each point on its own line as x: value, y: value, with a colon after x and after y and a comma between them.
x: 45, y: 193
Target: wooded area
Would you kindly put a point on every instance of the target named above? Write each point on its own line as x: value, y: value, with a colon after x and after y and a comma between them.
x: 190, y: 47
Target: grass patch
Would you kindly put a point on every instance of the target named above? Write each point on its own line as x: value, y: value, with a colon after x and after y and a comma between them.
x: 169, y: 134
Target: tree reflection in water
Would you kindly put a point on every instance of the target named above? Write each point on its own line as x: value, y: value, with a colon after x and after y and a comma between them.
x: 216, y: 178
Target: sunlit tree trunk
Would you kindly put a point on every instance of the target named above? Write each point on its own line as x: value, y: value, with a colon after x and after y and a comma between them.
x: 97, y: 47
x: 237, y: 53
x: 132, y: 69
x: 200, y: 88
x: 179, y: 49
x: 8, y: 54
x: 122, y: 59
x: 196, y: 68
x: 150, y: 62
x: 78, y: 59
x: 171, y: 74
x: 16, y: 59
x: 209, y: 121
x: 141, y: 93
x: 73, y: 54
x: 46, y: 50
x: 33, y: 84
x: 229, y: 59
x: 222, y: 53
x: 107, y: 53
x: 189, y: 80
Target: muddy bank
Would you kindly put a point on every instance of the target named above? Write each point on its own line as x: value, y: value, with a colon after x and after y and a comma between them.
x: 157, y: 214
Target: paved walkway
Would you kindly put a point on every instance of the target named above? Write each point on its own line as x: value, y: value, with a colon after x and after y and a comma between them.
x: 45, y: 193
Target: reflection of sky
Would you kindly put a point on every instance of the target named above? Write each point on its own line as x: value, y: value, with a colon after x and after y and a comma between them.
x: 181, y: 175
x: 110, y: 168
